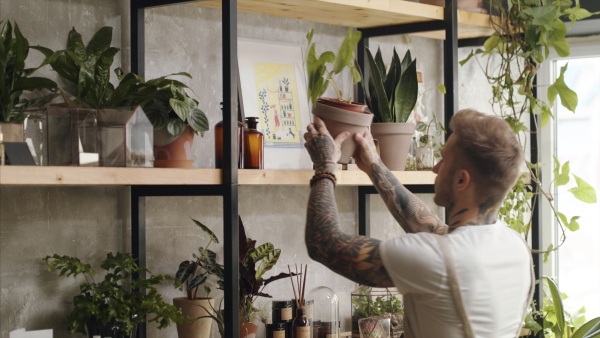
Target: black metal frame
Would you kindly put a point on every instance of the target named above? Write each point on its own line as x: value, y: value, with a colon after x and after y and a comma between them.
x: 229, y: 187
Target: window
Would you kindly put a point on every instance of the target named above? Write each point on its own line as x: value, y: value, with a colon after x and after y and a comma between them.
x: 575, y: 137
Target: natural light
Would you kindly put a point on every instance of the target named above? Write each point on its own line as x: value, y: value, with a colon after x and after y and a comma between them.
x: 578, y: 141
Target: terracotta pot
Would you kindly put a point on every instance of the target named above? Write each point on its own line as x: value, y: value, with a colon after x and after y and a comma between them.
x: 194, y: 309
x: 339, y: 120
x: 248, y: 330
x: 173, y: 152
x: 12, y: 132
x: 394, y: 142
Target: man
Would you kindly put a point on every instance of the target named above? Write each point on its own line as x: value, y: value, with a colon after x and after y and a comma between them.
x: 491, y: 263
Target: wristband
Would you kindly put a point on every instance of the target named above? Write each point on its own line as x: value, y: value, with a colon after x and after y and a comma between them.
x: 323, y: 175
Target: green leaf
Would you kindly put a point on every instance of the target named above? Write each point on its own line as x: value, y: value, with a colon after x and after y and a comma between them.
x: 568, y: 97
x: 558, y: 305
x: 100, y: 42
x: 32, y: 83
x: 175, y: 127
x: 207, y: 231
x: 572, y: 225
x: 442, y: 88
x: 583, y: 192
x: 562, y: 176
x: 181, y: 108
x: 198, y: 121
x: 406, y: 93
x: 345, y: 55
x: 464, y: 61
x: 490, y: 44
x: 590, y: 329
x: 542, y: 15
x: 379, y: 100
x: 548, y: 252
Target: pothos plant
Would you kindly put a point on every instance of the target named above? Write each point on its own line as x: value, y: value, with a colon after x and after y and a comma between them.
x: 192, y: 274
x: 320, y: 75
x: 525, y: 33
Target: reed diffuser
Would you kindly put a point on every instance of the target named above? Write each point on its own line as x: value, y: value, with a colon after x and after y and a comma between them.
x: 300, y: 325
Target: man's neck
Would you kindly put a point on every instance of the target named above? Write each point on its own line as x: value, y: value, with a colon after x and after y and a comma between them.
x: 475, y: 214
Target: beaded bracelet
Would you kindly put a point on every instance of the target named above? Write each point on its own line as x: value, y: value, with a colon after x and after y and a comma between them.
x: 321, y: 175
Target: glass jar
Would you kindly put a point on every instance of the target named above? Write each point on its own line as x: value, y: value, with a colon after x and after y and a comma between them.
x: 425, y: 159
x: 301, y: 325
x: 282, y: 311
x: 253, y: 145
x: 219, y: 145
x: 276, y: 330
x: 325, y: 313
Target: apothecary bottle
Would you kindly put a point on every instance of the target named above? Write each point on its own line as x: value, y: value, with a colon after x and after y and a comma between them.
x: 301, y: 325
x: 220, y: 146
x: 253, y: 145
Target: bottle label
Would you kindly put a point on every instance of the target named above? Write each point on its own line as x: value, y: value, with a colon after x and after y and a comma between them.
x: 302, y: 332
x: 278, y: 333
x: 286, y: 313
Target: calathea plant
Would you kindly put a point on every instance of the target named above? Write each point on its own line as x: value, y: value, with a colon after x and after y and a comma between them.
x: 192, y: 274
x: 319, y: 76
x: 15, y: 78
x: 392, y: 95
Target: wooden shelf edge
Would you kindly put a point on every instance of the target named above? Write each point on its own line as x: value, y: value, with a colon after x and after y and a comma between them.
x: 108, y: 176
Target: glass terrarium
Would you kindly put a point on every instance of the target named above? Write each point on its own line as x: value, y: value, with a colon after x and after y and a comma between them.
x: 325, y: 312
x: 63, y: 140
x: 124, y: 138
x: 372, y: 302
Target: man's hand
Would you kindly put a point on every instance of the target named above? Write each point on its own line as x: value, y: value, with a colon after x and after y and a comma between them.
x: 366, y: 153
x: 323, y: 149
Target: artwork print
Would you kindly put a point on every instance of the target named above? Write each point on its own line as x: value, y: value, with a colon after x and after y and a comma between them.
x: 278, y: 105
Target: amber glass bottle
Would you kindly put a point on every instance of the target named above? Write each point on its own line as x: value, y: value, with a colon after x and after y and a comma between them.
x: 219, y: 146
x: 301, y: 325
x: 253, y: 145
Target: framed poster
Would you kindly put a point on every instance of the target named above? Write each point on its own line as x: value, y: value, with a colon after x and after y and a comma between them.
x: 273, y: 88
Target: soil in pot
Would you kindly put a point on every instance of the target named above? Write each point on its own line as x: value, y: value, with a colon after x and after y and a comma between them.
x: 194, y: 309
x: 339, y: 120
x: 171, y: 152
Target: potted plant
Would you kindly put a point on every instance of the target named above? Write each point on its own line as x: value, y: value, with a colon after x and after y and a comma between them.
x: 115, y: 305
x: 16, y: 79
x: 426, y: 147
x: 391, y: 97
x: 339, y: 114
x: 190, y: 276
x: 254, y: 263
x: 367, y: 302
x: 172, y: 112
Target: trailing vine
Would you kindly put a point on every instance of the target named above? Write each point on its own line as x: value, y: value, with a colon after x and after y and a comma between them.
x: 525, y: 33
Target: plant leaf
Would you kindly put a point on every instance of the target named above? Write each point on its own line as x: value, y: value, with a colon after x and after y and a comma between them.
x: 557, y: 303
x: 175, y: 127
x: 583, y: 192
x: 591, y: 329
x: 32, y: 83
x: 568, y: 97
x: 100, y: 42
x: 181, y: 108
x: 207, y: 231
x: 406, y: 93
x: 345, y: 55
x: 198, y: 121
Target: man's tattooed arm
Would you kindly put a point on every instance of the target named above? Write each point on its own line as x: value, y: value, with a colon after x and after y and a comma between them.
x: 412, y: 213
x: 354, y: 257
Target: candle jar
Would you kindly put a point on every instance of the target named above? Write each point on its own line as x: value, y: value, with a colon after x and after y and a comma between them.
x: 282, y: 311
x: 277, y: 330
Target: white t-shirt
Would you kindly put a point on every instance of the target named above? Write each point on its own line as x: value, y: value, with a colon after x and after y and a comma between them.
x: 494, y: 272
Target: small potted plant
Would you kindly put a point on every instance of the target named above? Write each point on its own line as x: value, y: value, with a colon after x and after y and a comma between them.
x: 339, y: 114
x: 190, y: 276
x: 114, y: 306
x: 368, y: 302
x: 16, y: 79
x: 427, y: 147
x: 174, y: 115
x: 391, y: 97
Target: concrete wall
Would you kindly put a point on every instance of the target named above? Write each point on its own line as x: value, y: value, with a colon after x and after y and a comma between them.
x: 89, y: 222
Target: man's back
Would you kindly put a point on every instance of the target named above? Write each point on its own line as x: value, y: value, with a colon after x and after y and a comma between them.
x: 493, y: 269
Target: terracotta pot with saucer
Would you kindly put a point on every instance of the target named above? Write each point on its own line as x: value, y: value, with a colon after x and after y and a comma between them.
x: 173, y: 152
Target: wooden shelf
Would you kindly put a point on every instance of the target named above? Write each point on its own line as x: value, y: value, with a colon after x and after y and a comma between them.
x: 100, y: 176
x: 363, y: 14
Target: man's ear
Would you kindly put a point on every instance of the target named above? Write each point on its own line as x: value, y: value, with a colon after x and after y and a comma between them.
x: 462, y: 180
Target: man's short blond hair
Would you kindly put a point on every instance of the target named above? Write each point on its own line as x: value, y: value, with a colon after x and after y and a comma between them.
x: 490, y: 148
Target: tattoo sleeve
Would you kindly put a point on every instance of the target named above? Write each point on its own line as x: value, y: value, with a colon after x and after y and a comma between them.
x: 410, y: 212
x: 354, y: 257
